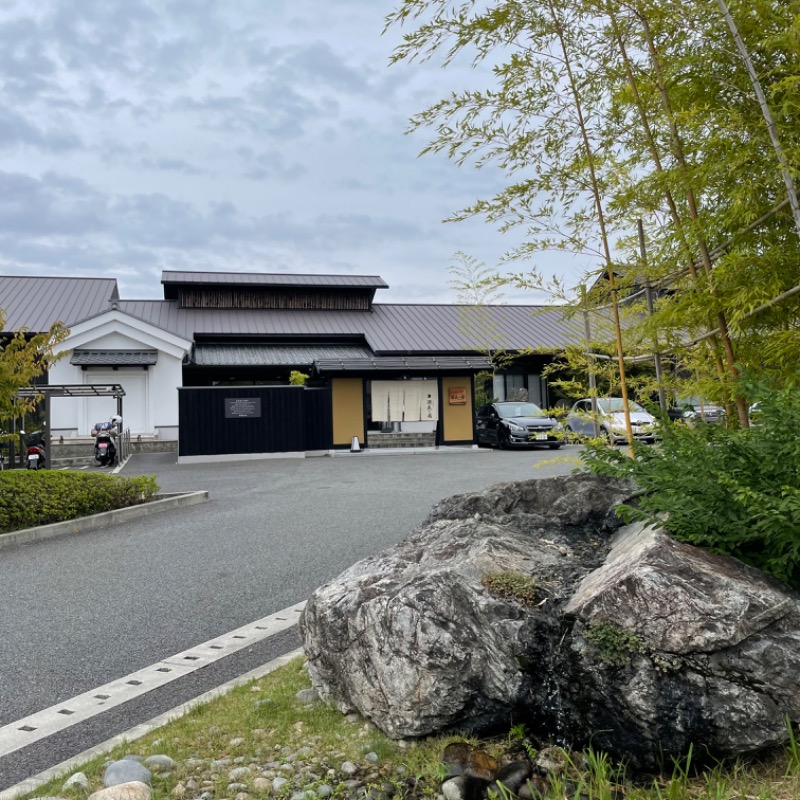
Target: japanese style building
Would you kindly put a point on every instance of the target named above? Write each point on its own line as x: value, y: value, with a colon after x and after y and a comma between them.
x: 385, y: 370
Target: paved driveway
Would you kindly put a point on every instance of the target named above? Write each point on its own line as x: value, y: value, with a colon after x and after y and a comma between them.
x: 79, y: 611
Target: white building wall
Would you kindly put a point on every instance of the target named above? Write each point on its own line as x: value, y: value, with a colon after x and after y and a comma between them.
x: 64, y: 412
x: 166, y: 377
x: 150, y: 406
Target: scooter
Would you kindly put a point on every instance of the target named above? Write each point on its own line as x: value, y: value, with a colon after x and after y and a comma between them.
x: 35, y: 456
x: 105, y: 445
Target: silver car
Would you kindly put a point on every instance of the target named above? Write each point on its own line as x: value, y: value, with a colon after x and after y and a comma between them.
x: 611, y: 420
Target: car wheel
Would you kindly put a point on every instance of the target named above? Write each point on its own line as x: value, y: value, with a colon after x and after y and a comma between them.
x: 502, y: 440
x: 607, y: 436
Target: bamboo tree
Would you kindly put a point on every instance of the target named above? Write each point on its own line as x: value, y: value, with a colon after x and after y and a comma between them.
x: 658, y: 165
x: 680, y: 156
x: 765, y: 110
x: 691, y: 172
x: 601, y: 221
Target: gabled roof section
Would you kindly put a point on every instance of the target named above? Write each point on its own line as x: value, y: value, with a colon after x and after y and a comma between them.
x: 36, y: 303
x: 148, y: 335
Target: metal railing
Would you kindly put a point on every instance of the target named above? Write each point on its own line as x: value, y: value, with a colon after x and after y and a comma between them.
x: 123, y: 446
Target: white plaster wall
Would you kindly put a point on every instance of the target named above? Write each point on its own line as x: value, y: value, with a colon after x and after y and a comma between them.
x: 64, y: 412
x: 166, y: 377
x: 159, y: 394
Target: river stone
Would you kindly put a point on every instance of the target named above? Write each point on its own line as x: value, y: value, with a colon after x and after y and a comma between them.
x: 453, y: 789
x: 159, y: 763
x: 626, y: 640
x: 307, y: 696
x: 77, y: 781
x: 135, y: 790
x: 126, y: 770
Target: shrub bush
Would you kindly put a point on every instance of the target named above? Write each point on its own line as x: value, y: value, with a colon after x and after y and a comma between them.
x: 30, y: 498
x: 732, y: 491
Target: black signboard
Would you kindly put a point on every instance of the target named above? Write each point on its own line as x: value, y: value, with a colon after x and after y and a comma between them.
x: 239, y: 407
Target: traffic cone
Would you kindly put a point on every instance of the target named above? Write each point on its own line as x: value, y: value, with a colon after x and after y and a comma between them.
x: 355, y: 447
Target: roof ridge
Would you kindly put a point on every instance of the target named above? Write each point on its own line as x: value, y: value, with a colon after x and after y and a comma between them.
x: 59, y: 278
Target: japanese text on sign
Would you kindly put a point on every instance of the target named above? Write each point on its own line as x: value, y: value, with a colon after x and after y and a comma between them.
x: 238, y: 407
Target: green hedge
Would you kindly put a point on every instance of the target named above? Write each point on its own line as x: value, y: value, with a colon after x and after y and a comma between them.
x: 732, y: 491
x: 31, y: 498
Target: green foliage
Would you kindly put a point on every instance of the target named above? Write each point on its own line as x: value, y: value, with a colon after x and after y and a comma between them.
x: 40, y: 497
x: 512, y: 585
x: 792, y: 748
x: 615, y: 644
x: 23, y: 357
x: 601, y: 114
x: 484, y: 389
x: 474, y: 283
x: 732, y: 491
x: 297, y: 378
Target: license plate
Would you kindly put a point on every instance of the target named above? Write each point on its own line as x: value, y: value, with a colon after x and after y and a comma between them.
x: 33, y: 458
x: 103, y: 446
x: 540, y: 436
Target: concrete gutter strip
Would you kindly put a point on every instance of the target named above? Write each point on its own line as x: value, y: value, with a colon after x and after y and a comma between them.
x: 33, y: 783
x: 165, y: 502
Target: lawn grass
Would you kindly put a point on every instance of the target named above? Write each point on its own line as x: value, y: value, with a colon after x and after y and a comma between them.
x: 263, y: 721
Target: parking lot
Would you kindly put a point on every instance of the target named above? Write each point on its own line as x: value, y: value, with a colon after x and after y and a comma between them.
x: 79, y: 611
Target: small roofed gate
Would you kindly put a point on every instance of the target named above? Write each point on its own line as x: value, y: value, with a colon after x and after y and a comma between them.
x: 252, y: 420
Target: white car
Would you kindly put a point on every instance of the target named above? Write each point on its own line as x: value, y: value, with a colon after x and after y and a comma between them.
x: 611, y: 420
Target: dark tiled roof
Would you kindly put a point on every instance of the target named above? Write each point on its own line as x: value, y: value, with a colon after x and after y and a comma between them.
x: 245, y: 355
x: 272, y: 279
x: 388, y: 329
x: 404, y: 364
x: 36, y: 303
x: 114, y: 358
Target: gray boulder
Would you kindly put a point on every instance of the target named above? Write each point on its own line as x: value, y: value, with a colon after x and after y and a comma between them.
x: 675, y: 646
x: 126, y: 770
x: 527, y: 602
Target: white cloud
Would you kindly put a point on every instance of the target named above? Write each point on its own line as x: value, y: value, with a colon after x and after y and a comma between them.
x: 140, y: 135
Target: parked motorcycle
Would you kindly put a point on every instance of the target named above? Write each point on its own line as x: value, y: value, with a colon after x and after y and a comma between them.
x: 105, y: 443
x: 35, y: 455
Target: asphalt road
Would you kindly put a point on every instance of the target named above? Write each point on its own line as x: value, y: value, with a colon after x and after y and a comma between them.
x: 79, y: 611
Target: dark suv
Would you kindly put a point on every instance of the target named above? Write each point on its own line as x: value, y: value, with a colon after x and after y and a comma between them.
x: 516, y: 424
x: 694, y: 409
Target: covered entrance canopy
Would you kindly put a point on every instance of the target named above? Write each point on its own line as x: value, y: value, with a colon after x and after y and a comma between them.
x: 70, y: 390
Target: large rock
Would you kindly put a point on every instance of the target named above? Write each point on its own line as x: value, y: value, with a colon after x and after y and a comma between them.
x: 629, y: 640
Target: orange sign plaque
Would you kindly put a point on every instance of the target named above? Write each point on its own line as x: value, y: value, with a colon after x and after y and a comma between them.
x: 458, y: 396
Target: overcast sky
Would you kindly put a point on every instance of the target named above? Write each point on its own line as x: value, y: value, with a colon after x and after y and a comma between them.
x: 230, y: 135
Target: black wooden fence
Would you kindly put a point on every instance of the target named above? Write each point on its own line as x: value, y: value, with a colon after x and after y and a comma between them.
x: 223, y: 420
